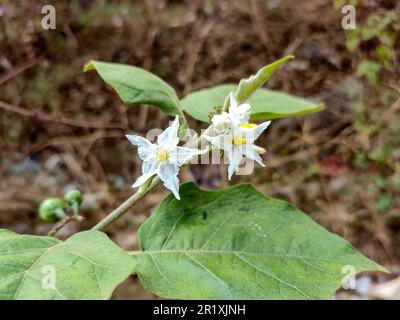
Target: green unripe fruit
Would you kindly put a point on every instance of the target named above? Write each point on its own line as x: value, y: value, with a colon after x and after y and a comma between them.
x: 74, y: 199
x: 73, y: 196
x: 52, y: 210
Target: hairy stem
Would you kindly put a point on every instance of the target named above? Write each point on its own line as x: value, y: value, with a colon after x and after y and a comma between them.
x: 125, y: 206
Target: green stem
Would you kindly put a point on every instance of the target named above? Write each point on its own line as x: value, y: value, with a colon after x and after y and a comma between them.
x: 59, y: 213
x: 125, y: 206
x: 75, y: 208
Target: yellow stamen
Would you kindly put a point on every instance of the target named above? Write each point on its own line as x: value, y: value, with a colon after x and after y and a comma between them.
x: 162, y: 155
x: 248, y: 125
x: 239, y: 140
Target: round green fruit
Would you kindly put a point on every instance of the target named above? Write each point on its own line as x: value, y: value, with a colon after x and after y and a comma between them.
x: 52, y: 210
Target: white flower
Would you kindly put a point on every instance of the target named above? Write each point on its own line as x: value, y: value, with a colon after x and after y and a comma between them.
x: 238, y: 140
x: 164, y: 158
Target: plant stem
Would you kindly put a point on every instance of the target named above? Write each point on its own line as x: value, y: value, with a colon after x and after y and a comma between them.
x: 64, y: 222
x: 125, y: 206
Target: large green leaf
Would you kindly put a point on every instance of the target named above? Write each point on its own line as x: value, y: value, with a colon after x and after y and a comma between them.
x: 266, y: 104
x: 239, y: 244
x: 86, y: 266
x: 137, y: 86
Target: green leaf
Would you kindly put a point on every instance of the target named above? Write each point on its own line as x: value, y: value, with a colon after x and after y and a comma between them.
x: 266, y: 104
x: 137, y: 86
x: 237, y: 243
x: 248, y: 86
x: 86, y: 266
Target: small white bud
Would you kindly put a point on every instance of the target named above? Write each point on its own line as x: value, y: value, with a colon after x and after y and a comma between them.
x: 221, y: 123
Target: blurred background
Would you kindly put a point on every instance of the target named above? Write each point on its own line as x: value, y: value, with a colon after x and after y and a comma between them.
x: 63, y: 129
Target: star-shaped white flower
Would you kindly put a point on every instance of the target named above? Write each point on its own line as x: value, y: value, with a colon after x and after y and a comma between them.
x: 164, y: 158
x: 237, y: 139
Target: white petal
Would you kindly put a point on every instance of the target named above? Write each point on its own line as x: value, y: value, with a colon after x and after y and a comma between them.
x: 138, y: 140
x: 144, y: 146
x: 169, y: 137
x: 243, y: 112
x: 250, y: 152
x: 168, y: 174
x: 150, y: 167
x: 183, y: 155
x: 234, y: 160
x: 233, y: 101
x: 254, y: 133
x: 238, y: 113
x: 142, y: 179
x: 223, y: 142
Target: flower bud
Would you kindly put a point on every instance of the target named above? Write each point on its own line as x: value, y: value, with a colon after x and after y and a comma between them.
x: 221, y: 123
x: 260, y: 150
x: 52, y: 210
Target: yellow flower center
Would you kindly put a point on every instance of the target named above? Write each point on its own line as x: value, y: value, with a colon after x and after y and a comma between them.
x: 239, y: 140
x: 162, y: 155
x: 248, y: 125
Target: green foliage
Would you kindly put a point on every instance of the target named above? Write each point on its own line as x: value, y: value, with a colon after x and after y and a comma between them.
x: 384, y: 31
x: 266, y: 104
x: 370, y: 70
x: 237, y: 243
x: 383, y: 203
x: 137, y: 86
x: 382, y: 28
x: 86, y: 266
x: 232, y: 243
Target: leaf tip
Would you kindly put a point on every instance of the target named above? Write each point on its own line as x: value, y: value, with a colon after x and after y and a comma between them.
x: 383, y: 269
x: 320, y: 107
x: 89, y: 66
x: 285, y: 59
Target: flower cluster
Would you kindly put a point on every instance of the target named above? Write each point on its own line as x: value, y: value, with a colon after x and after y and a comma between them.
x: 230, y: 132
x: 235, y: 135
